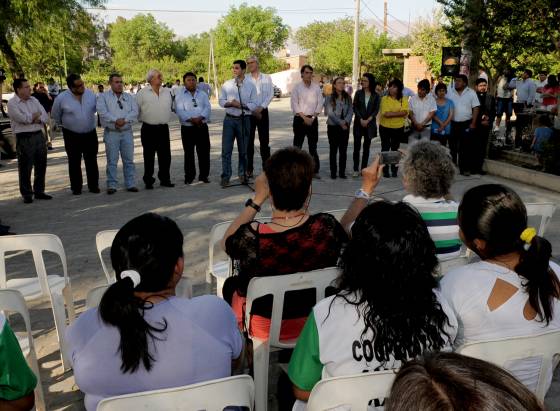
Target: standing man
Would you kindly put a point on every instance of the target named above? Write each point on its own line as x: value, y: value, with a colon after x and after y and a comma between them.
x: 307, y: 102
x: 154, y: 104
x: 486, y: 115
x: 118, y: 111
x: 204, y: 86
x: 27, y: 118
x: 526, y: 94
x: 239, y: 98
x: 463, y: 125
x: 193, y: 109
x: 259, y: 119
x: 74, y: 110
x: 422, y: 110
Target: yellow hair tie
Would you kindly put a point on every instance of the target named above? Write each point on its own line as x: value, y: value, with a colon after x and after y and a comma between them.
x: 528, y: 234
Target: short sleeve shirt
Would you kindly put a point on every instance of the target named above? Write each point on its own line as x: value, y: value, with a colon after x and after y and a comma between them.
x: 389, y: 104
x: 463, y: 103
x: 16, y: 378
x: 199, y: 343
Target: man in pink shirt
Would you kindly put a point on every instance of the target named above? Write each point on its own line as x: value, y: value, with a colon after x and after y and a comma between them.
x: 307, y: 102
x: 27, y: 118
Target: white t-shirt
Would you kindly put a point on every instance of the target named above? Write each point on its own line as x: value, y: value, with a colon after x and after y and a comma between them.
x: 422, y: 107
x: 468, y: 288
x: 464, y: 103
x: 501, y: 89
x: 198, y: 345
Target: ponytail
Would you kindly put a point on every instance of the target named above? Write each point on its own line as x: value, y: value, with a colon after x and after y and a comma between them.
x: 542, y: 284
x: 119, y: 307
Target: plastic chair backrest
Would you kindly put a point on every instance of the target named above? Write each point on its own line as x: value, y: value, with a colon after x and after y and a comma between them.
x: 36, y: 243
x: 544, y: 211
x: 12, y: 300
x: 545, y: 346
x: 212, y: 395
x: 277, y: 286
x: 104, y: 240
x: 353, y: 390
x: 216, y: 235
x: 94, y: 295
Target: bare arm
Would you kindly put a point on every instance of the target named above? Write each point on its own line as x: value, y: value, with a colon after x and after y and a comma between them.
x: 21, y: 404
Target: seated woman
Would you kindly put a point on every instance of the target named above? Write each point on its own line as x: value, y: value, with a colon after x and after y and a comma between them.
x: 448, y: 381
x: 387, y: 309
x: 428, y: 174
x: 514, y: 290
x: 142, y: 337
x: 294, y: 241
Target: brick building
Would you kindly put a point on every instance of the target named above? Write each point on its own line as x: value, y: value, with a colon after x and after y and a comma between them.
x: 415, y: 68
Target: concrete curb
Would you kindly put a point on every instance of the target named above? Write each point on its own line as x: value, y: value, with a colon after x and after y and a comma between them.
x: 523, y: 175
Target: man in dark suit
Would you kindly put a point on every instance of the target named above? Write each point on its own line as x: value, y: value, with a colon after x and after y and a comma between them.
x: 486, y: 116
x: 366, y: 107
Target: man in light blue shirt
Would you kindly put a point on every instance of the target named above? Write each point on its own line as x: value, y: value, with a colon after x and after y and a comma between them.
x: 117, y: 112
x: 193, y: 108
x: 74, y: 110
x: 238, y: 97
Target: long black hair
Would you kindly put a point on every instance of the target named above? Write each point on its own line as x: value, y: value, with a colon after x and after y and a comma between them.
x: 151, y: 245
x: 372, y: 82
x: 400, y: 87
x: 495, y: 213
x: 387, y: 273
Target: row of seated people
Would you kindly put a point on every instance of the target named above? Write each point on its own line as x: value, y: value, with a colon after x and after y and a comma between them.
x: 388, y: 306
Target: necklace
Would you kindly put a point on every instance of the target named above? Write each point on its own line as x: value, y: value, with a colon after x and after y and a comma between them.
x: 302, y: 216
x: 286, y: 217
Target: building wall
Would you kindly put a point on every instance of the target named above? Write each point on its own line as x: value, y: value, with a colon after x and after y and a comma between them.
x: 295, y: 62
x: 415, y: 69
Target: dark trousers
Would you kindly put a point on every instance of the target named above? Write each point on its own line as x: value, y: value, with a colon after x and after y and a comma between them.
x: 196, y: 137
x: 312, y: 132
x: 155, y: 139
x: 262, y: 126
x: 391, y: 141
x: 338, y: 143
x: 481, y: 135
x: 31, y: 151
x: 78, y: 145
x: 521, y: 121
x: 440, y: 138
x: 461, y: 145
x: 360, y: 132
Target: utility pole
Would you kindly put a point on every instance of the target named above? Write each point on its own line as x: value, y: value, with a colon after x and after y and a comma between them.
x: 355, y: 59
x: 214, y: 66
x: 385, y: 12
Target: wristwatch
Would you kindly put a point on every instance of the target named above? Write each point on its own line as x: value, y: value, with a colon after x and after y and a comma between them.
x: 251, y: 203
x: 362, y: 194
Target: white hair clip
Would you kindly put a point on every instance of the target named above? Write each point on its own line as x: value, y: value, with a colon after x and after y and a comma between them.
x: 133, y: 275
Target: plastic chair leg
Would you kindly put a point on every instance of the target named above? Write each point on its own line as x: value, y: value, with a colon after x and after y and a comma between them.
x: 261, y: 357
x: 59, y: 314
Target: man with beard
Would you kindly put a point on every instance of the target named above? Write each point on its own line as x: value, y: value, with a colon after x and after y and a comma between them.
x: 485, y: 119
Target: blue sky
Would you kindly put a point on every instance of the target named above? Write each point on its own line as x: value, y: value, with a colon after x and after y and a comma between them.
x: 295, y: 13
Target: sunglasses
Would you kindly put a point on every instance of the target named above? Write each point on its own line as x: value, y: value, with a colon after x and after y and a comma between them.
x: 194, y: 103
x: 120, y: 104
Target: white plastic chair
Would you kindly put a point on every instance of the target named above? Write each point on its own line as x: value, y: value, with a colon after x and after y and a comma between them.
x: 13, y: 301
x: 545, y: 346
x: 212, y: 395
x: 542, y: 210
x: 94, y: 295
x: 104, y: 240
x: 352, y: 391
x: 55, y: 287
x: 277, y: 286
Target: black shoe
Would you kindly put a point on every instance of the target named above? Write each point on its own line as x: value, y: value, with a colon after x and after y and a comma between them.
x: 149, y: 186
x: 43, y: 196
x: 27, y: 199
x: 94, y: 190
x: 132, y: 189
x: 249, y: 174
x: 333, y: 176
x: 225, y: 182
x: 467, y: 173
x: 243, y: 180
x: 386, y: 174
x: 188, y: 181
x: 394, y: 174
x: 76, y: 192
x: 111, y: 191
x: 343, y: 176
x: 166, y: 184
x: 204, y: 180
x: 316, y: 176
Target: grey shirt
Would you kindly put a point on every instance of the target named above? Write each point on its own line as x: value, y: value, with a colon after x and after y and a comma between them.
x: 110, y: 111
x: 341, y: 112
x: 74, y: 114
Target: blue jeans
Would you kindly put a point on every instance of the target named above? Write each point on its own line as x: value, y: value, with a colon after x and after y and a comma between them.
x: 233, y: 130
x: 123, y: 142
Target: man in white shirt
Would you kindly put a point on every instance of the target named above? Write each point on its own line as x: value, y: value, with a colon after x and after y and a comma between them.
x: 422, y: 109
x: 239, y: 98
x: 259, y: 119
x: 203, y: 86
x: 27, y: 118
x: 154, y: 104
x: 307, y: 102
x: 463, y: 125
x: 193, y: 108
x: 542, y: 81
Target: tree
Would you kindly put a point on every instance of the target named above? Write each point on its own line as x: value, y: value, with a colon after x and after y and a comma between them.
x: 19, y: 19
x: 428, y: 38
x: 502, y: 33
x: 245, y: 31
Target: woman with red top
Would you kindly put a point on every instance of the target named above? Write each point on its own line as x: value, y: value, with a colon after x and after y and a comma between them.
x: 550, y: 92
x: 294, y: 241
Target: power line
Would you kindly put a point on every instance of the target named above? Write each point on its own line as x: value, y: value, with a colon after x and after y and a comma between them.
x: 394, y: 32
x: 337, y: 10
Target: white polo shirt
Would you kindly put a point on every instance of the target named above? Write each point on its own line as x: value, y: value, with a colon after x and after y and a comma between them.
x: 464, y: 103
x: 422, y: 107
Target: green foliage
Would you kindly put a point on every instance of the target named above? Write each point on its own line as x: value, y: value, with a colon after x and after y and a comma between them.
x: 428, y: 38
x: 330, y: 48
x: 503, y: 33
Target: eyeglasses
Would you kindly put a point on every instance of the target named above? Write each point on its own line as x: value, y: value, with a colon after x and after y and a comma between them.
x: 194, y: 102
x: 120, y: 104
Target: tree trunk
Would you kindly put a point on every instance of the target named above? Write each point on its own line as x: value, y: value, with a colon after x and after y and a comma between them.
x: 8, y: 53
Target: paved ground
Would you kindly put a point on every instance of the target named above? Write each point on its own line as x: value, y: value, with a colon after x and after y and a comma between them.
x: 76, y: 220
